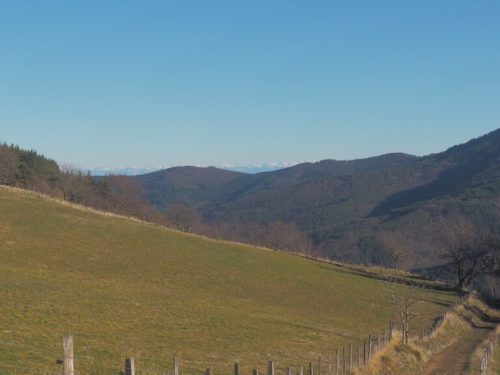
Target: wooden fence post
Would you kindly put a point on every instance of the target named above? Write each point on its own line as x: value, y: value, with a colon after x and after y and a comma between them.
x: 236, y: 368
x: 176, y: 366
x: 344, y: 362
x: 350, y: 356
x: 255, y: 371
x: 364, y: 352
x: 319, y: 365
x: 338, y: 363
x: 358, y: 362
x: 288, y: 371
x: 301, y: 370
x: 270, y: 368
x: 311, y: 369
x: 129, y: 366
x: 69, y: 365
x: 208, y: 371
x: 369, y: 347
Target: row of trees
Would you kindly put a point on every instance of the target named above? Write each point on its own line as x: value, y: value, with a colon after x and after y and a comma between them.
x: 30, y: 170
x: 124, y: 195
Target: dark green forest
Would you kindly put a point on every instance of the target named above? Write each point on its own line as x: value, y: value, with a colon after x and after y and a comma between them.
x: 29, y: 170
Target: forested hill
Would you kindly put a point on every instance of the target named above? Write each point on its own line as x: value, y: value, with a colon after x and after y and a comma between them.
x: 394, y: 209
x: 191, y: 186
x: 27, y: 169
x: 30, y: 170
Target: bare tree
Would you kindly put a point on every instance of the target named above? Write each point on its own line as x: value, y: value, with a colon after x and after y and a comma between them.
x: 404, y: 300
x: 396, y: 244
x: 183, y: 217
x: 469, y: 259
x: 127, y: 196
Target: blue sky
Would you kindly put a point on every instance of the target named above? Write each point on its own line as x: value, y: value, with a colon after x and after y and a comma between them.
x: 120, y: 83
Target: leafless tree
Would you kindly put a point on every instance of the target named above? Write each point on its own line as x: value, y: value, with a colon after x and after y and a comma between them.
x: 397, y: 246
x: 469, y: 259
x: 404, y: 301
x: 183, y: 217
x: 127, y: 197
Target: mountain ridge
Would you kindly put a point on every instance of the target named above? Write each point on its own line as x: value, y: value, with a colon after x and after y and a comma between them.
x: 346, y: 208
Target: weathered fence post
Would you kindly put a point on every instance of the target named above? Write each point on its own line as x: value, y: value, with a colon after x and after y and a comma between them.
x: 208, y: 371
x: 129, y: 366
x: 311, y: 369
x: 270, y: 368
x: 236, y: 368
x: 369, y: 347
x: 176, y: 366
x: 350, y: 356
x: 338, y: 363
x: 364, y: 352
x: 288, y: 371
x: 358, y: 362
x: 301, y: 370
x: 69, y: 365
x: 344, y: 362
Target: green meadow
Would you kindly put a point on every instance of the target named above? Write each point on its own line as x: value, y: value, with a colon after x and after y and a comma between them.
x: 126, y: 288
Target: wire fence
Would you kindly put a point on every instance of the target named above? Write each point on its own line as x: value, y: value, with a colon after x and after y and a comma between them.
x: 488, y: 353
x: 344, y: 361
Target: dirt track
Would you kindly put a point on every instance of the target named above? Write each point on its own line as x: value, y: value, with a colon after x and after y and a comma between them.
x: 456, y: 358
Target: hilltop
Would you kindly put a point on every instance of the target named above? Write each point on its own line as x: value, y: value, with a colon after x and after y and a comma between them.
x: 125, y: 287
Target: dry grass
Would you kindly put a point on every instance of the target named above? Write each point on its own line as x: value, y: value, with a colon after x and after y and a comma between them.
x: 454, y: 349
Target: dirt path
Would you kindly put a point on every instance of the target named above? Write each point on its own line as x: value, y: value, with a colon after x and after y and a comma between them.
x: 456, y: 358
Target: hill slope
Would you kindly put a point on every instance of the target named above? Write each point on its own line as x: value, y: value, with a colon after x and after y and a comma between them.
x: 123, y: 287
x: 363, y: 210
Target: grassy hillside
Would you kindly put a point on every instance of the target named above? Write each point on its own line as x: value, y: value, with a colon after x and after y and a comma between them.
x: 122, y: 287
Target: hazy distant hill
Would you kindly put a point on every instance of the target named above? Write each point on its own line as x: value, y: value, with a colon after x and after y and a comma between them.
x: 364, y: 210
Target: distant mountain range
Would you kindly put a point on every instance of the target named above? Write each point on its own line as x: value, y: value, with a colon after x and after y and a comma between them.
x: 134, y: 171
x: 394, y: 208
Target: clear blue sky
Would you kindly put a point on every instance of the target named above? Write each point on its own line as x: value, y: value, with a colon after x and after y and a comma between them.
x: 119, y: 83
